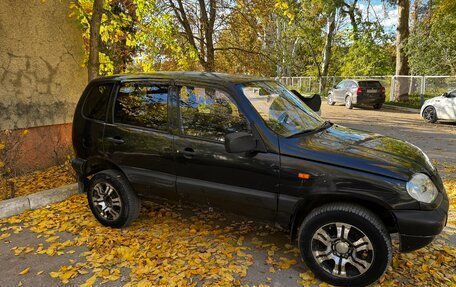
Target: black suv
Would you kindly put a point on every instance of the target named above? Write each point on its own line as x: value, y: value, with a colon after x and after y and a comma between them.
x: 251, y: 146
x: 358, y: 93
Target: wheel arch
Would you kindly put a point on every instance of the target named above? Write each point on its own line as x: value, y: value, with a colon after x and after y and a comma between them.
x: 97, y: 164
x: 305, y: 206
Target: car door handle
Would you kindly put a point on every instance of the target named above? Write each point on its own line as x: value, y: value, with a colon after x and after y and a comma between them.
x: 188, y: 152
x: 116, y: 140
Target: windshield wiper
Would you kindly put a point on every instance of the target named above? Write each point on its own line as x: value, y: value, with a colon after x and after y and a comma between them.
x: 322, y: 127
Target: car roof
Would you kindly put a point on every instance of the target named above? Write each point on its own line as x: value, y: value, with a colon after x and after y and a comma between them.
x: 367, y: 80
x: 187, y: 76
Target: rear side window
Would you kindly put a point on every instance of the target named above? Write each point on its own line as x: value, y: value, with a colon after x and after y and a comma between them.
x: 370, y: 84
x: 143, y: 105
x: 96, y: 102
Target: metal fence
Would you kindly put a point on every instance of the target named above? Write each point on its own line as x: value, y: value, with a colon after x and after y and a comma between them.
x: 422, y: 86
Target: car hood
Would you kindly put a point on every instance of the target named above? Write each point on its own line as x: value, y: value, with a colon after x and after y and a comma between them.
x: 431, y: 100
x: 364, y: 151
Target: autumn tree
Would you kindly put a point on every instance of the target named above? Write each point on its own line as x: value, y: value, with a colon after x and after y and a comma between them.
x: 198, y: 20
x: 431, y: 46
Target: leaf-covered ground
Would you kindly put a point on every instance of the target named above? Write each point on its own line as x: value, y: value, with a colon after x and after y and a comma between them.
x: 37, y: 181
x: 170, y: 245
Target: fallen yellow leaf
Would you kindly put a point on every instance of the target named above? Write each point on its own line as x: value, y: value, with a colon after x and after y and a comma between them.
x: 25, y: 271
x: 90, y: 281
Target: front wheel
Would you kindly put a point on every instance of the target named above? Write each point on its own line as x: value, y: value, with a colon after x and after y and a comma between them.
x: 429, y: 114
x: 345, y: 244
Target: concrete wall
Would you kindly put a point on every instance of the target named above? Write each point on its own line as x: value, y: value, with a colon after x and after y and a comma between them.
x: 41, y: 76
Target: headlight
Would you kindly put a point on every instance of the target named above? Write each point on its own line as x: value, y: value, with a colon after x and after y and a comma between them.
x: 421, y: 188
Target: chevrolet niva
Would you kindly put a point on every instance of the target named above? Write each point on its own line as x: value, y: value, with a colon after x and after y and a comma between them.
x: 251, y: 146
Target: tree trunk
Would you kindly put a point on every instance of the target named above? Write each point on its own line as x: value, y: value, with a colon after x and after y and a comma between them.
x: 205, y: 26
x: 93, y: 65
x: 402, y: 67
x: 351, y: 11
x: 331, y: 22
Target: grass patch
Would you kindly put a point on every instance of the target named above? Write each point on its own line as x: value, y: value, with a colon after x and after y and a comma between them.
x: 414, y: 101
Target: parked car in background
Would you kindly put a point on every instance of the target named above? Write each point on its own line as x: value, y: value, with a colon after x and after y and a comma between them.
x: 358, y: 93
x: 250, y: 146
x: 439, y: 108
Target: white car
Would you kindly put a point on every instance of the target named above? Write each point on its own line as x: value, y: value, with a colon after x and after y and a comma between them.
x: 440, y: 108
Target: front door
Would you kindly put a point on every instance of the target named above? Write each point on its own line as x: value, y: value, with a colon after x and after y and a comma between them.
x: 138, y: 138
x: 206, y: 173
x: 339, y: 92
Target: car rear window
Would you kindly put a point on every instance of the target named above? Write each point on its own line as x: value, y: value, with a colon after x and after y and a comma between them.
x: 370, y: 84
x: 96, y: 102
x: 142, y: 104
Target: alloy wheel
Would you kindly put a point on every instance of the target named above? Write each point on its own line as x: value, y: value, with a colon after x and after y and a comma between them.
x: 429, y: 114
x: 107, y: 201
x: 348, y: 103
x: 342, y: 250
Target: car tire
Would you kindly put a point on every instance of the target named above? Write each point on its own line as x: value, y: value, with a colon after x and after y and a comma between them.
x: 364, y: 251
x: 377, y: 106
x: 331, y: 101
x: 112, y: 200
x: 348, y: 102
x: 430, y: 114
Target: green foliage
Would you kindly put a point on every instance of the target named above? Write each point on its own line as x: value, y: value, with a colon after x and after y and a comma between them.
x: 118, y: 27
x: 371, y: 54
x: 432, y: 45
x: 269, y: 38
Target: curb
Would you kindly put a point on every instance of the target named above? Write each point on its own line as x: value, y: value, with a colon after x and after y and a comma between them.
x: 15, y: 206
x: 404, y: 109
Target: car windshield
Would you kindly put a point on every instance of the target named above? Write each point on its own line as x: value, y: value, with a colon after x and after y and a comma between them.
x: 281, y: 110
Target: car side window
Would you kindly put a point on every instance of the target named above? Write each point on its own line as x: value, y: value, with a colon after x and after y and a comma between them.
x: 353, y: 85
x: 96, y: 102
x: 142, y: 104
x: 340, y: 85
x: 209, y: 113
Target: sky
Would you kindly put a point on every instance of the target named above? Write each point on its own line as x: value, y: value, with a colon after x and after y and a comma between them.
x: 386, y: 14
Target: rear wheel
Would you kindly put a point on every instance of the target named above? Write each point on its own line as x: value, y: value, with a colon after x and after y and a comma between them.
x: 112, y: 200
x: 348, y: 102
x: 377, y: 106
x: 429, y: 114
x: 345, y: 244
x: 331, y: 101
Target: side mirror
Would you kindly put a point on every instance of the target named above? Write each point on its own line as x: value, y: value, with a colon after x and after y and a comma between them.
x: 240, y: 142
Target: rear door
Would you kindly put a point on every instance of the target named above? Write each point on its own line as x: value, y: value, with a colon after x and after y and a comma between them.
x: 138, y: 138
x: 206, y: 173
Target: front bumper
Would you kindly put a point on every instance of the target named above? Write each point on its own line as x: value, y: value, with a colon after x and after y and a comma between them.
x: 417, y: 228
